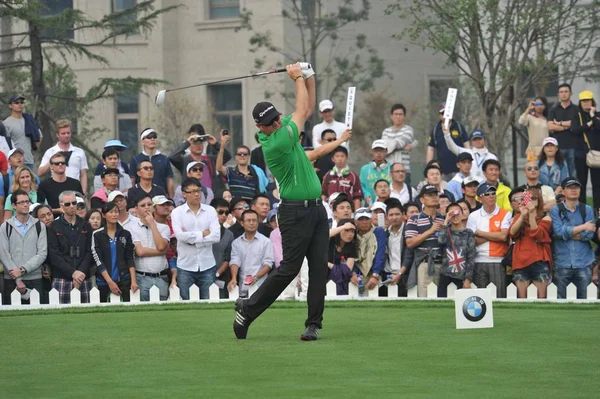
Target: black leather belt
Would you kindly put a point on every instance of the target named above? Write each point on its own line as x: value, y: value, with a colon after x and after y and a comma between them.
x: 302, y: 203
x: 163, y: 273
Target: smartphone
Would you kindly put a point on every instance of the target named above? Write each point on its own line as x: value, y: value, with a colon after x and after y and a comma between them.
x: 248, y: 279
x: 526, y: 198
x: 455, y: 213
x: 381, y: 220
x: 225, y: 132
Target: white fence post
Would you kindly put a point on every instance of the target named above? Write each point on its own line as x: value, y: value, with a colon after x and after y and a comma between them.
x: 94, y: 295
x: 592, y: 291
x: 135, y: 297
x: 234, y: 294
x: 213, y: 292
x: 412, y: 292
x: 511, y: 291
x: 451, y: 290
x: 532, y: 292
x: 53, y: 297
x: 75, y: 296
x: 331, y: 288
x: 352, y: 290
x: 393, y: 291
x: 154, y: 294
x: 194, y: 293
x: 571, y: 291
x: 374, y: 293
x: 114, y: 298
x: 34, y: 297
x: 432, y: 290
x: 251, y: 290
x: 174, y: 294
x: 493, y: 290
x: 15, y: 298
x: 551, y: 292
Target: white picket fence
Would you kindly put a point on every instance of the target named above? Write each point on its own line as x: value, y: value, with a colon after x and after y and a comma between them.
x: 174, y: 296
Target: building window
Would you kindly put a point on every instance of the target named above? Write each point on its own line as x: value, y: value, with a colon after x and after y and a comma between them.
x: 227, y: 103
x: 219, y: 9
x: 58, y: 7
x: 127, y: 107
x: 123, y: 5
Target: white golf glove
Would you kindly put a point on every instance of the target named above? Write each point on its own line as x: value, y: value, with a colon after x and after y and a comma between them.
x: 307, y: 70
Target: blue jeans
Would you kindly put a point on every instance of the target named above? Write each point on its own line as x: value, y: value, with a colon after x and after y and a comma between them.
x: 146, y: 282
x: 569, y: 154
x: 581, y: 277
x: 203, y: 280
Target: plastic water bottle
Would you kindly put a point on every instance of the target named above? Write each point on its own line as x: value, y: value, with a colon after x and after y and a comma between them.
x: 361, y: 284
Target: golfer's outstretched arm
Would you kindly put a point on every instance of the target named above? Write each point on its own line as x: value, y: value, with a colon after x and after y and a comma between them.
x: 301, y: 111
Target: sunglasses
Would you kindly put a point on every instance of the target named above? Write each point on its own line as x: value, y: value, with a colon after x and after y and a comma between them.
x: 222, y: 212
x: 81, y: 206
x: 488, y: 194
x: 147, y: 168
x: 196, y: 170
x: 530, y: 168
x: 59, y: 163
x: 19, y: 102
x: 239, y: 208
x: 242, y: 154
x: 151, y: 136
x: 74, y: 203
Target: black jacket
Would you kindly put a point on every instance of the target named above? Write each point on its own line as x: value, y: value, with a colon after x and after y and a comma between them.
x: 592, y: 133
x: 69, y: 248
x: 101, y: 250
x: 179, y: 159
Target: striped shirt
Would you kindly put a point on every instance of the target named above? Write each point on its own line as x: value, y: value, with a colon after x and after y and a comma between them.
x: 395, y: 141
x: 241, y: 185
x: 419, y: 224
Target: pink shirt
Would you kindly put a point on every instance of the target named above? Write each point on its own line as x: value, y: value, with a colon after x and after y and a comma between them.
x: 275, y: 238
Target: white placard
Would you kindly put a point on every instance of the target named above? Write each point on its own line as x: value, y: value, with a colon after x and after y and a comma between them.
x: 473, y: 308
x: 450, y: 102
x: 350, y: 106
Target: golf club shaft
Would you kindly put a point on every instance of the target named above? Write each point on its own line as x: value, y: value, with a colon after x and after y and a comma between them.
x: 230, y: 79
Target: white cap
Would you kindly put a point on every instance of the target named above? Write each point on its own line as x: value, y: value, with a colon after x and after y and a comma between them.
x: 11, y: 152
x: 362, y: 213
x: 192, y: 164
x: 379, y: 144
x: 114, y: 194
x: 160, y: 200
x: 146, y: 132
x: 80, y: 200
x: 549, y: 140
x: 325, y: 105
x: 33, y: 206
x: 379, y: 205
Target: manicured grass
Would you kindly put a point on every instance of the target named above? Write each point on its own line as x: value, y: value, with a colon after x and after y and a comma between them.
x: 366, y: 350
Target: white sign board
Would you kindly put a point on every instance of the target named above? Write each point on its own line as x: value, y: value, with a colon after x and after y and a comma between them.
x: 350, y: 106
x: 450, y: 103
x: 473, y: 308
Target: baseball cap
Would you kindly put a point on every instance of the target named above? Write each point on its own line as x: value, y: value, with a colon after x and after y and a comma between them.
x: 428, y: 188
x: 11, y: 152
x: 362, y: 213
x: 463, y: 156
x: 160, y: 200
x: 33, y: 206
x: 338, y: 197
x: 15, y: 97
x: 109, y: 171
x: 549, y: 140
x: 112, y: 196
x: 115, y: 143
x: 272, y: 213
x: 379, y: 144
x: 484, y: 188
x: 477, y: 134
x: 378, y: 205
x: 265, y: 113
x: 325, y: 105
x: 192, y: 164
x: 441, y: 107
x: 586, y: 95
x: 570, y: 181
x: 146, y: 132
x: 469, y: 180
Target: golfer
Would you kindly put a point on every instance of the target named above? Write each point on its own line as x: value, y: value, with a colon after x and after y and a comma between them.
x: 302, y: 217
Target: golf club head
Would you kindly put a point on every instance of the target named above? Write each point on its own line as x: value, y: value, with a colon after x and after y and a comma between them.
x: 160, y: 98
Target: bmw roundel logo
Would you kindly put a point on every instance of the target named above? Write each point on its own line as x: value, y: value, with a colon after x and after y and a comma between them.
x: 474, y: 308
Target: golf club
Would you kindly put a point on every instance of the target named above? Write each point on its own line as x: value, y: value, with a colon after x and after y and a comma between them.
x: 160, y: 97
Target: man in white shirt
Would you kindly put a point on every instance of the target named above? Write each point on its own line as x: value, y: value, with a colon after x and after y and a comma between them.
x: 77, y: 165
x: 151, y: 240
x: 478, y: 151
x: 400, y: 189
x: 196, y: 228
x: 326, y: 111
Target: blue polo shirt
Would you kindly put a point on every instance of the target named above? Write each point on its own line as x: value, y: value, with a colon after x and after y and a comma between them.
x: 444, y: 155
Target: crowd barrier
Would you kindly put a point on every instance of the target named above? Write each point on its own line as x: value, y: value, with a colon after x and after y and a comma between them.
x: 174, y: 296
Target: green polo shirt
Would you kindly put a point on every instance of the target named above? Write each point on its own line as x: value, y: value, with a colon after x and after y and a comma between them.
x: 289, y: 164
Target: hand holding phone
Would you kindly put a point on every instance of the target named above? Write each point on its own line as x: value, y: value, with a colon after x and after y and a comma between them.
x: 225, y: 132
x: 249, y: 279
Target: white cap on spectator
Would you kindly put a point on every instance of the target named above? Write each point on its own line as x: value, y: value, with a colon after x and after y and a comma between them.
x: 378, y: 205
x: 549, y: 140
x: 146, y: 132
x: 11, y: 152
x: 192, y: 164
x: 379, y: 144
x: 80, y: 200
x: 160, y: 200
x: 362, y: 213
x: 114, y: 194
x: 33, y: 206
x: 325, y: 105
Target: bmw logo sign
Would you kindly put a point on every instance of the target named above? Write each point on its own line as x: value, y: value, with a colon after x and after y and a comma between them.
x: 474, y: 308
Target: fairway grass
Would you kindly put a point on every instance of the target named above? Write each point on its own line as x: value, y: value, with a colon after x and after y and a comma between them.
x: 366, y: 350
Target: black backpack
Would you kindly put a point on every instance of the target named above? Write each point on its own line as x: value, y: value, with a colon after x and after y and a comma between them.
x: 10, y: 228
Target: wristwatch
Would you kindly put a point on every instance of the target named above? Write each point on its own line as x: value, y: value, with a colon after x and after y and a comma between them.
x: 23, y: 271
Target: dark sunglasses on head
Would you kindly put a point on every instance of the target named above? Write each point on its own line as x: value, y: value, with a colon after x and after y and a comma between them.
x: 74, y: 203
x: 222, y: 212
x: 59, y: 163
x: 242, y: 154
x: 151, y: 136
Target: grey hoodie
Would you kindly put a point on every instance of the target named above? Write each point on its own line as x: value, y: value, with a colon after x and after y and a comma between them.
x: 28, y: 251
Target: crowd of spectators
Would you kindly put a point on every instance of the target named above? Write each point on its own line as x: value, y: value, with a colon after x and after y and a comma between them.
x: 458, y: 223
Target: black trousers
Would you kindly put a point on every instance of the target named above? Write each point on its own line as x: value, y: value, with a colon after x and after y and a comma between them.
x: 582, y: 175
x: 124, y: 286
x: 445, y: 282
x: 10, y: 285
x: 595, y: 176
x: 304, y: 233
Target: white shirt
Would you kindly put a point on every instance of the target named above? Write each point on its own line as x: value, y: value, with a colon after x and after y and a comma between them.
x: 75, y: 163
x: 129, y: 222
x: 403, y: 195
x: 143, y: 234
x: 480, y: 220
x: 394, y: 259
x: 194, y: 251
x: 251, y: 256
x: 337, y: 127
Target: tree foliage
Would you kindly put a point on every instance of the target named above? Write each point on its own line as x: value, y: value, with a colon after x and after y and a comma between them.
x: 506, y: 49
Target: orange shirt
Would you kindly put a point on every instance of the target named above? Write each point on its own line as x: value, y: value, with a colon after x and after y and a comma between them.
x: 532, y: 245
